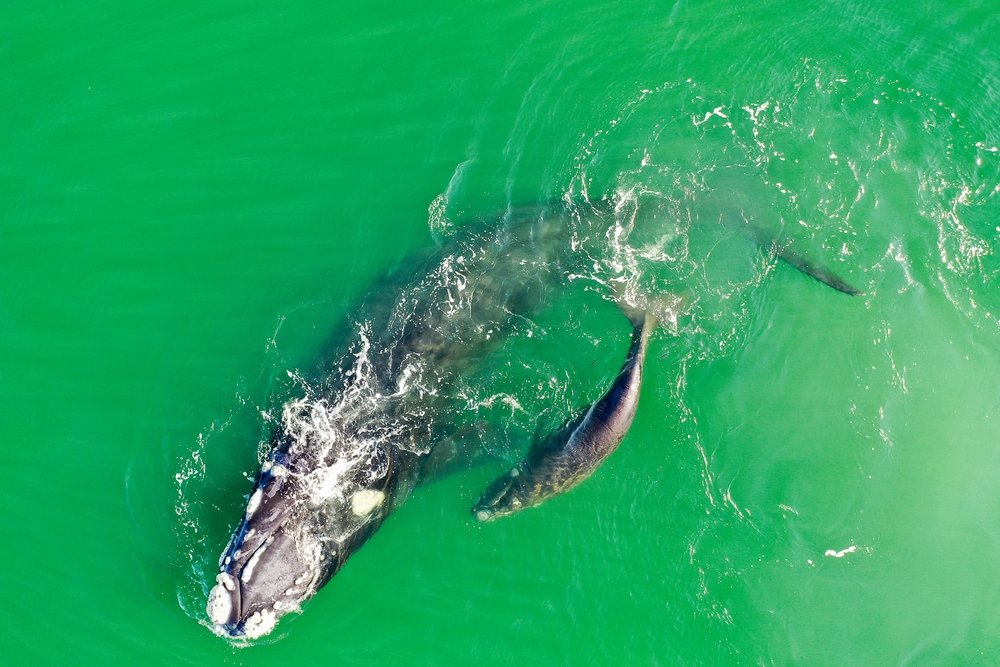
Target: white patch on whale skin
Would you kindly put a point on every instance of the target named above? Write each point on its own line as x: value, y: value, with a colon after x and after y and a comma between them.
x: 282, y: 606
x: 226, y: 580
x: 252, y: 563
x: 220, y: 605
x: 365, y: 501
x: 260, y: 623
x: 254, y: 502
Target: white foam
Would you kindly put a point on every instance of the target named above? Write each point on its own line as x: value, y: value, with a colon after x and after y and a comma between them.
x: 840, y: 554
x: 328, y: 483
x: 404, y: 378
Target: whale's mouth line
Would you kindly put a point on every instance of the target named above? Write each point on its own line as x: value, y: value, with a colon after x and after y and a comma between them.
x: 235, y: 627
x: 236, y: 571
x: 232, y: 579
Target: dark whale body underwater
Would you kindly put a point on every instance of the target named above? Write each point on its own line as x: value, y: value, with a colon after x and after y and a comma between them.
x: 388, y: 417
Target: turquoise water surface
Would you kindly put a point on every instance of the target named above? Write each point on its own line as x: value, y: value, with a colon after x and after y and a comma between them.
x: 195, y: 196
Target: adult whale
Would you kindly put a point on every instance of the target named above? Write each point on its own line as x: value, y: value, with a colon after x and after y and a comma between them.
x: 389, y: 417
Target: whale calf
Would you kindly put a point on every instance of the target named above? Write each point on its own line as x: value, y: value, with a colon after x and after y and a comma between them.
x: 570, y: 455
x: 387, y: 414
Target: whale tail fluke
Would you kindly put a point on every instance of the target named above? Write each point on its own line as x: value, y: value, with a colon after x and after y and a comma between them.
x: 783, y: 251
x: 815, y: 270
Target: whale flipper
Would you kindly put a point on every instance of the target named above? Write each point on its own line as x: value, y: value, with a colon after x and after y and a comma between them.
x: 571, y: 454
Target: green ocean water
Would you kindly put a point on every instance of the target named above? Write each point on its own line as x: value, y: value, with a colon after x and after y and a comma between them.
x: 194, y: 196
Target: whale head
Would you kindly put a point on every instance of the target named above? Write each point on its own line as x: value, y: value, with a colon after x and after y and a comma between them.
x: 506, y: 495
x: 302, y: 521
x: 264, y: 571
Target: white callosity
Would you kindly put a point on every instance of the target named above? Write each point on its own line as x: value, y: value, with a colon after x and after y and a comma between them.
x: 366, y: 500
x: 254, y: 502
x: 252, y: 563
x: 220, y: 604
x: 260, y: 623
